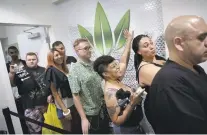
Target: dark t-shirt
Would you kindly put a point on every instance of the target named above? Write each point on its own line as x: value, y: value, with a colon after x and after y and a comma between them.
x: 31, y: 86
x: 9, y: 63
x: 70, y: 59
x: 178, y: 100
x: 60, y: 81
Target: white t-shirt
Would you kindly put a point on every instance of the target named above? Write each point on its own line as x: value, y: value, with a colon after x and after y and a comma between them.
x: 68, y: 102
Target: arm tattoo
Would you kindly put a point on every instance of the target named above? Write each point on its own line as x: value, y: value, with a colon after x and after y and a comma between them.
x: 112, y: 110
x: 110, y: 93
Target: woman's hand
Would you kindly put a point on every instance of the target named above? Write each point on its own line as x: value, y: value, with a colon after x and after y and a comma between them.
x: 126, y: 54
x: 129, y: 36
x: 50, y: 99
x: 68, y: 116
x: 12, y: 69
x: 136, y: 96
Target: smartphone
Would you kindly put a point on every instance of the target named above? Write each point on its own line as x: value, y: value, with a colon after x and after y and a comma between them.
x: 16, y: 68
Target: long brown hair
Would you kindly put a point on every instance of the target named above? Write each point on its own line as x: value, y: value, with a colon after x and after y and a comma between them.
x: 50, y: 61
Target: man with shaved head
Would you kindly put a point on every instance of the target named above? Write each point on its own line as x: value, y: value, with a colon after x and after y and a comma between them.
x: 178, y: 94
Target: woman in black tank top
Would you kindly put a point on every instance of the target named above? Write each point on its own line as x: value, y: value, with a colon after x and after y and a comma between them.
x: 146, y: 63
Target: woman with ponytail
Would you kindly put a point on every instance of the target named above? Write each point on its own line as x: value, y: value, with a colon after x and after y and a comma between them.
x: 146, y: 63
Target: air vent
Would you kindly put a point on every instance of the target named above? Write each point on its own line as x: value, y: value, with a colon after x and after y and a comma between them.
x: 33, y: 35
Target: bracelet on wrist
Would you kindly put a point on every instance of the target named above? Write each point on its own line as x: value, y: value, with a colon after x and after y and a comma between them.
x: 65, y: 114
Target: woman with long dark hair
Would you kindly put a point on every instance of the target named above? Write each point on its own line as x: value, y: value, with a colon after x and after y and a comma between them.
x: 146, y: 64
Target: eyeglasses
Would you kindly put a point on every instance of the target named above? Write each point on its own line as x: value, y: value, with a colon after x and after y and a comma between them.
x: 88, y: 48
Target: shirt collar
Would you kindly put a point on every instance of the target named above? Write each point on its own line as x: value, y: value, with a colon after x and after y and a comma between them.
x: 85, y: 64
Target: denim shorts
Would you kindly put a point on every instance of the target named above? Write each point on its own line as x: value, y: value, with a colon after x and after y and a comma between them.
x: 60, y: 114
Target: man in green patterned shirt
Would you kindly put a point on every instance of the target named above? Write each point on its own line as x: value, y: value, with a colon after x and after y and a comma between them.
x: 87, y: 90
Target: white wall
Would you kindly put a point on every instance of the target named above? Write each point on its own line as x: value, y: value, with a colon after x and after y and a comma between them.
x: 4, y: 43
x: 2, y: 32
x: 27, y: 11
x: 13, y: 31
x: 174, y: 8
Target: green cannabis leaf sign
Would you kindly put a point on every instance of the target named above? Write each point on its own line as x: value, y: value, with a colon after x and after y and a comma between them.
x: 104, y: 40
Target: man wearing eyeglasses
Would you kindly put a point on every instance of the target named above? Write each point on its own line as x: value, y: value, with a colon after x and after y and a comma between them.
x: 87, y: 91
